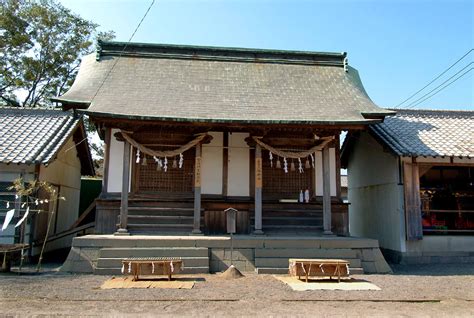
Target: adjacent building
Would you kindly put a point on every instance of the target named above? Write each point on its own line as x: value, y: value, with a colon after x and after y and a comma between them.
x: 411, y: 185
x: 44, y: 145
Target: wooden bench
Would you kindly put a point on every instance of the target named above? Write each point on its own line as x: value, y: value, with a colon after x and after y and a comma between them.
x: 319, y: 267
x: 8, y: 251
x: 151, y: 266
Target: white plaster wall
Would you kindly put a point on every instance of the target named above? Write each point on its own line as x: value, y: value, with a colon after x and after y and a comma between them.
x: 212, y: 165
x: 318, y: 162
x: 114, y: 178
x: 376, y: 201
x: 65, y: 172
x: 238, y: 183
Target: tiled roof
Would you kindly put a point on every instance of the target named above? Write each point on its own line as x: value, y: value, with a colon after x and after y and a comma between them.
x: 205, y: 84
x: 33, y: 136
x: 435, y: 133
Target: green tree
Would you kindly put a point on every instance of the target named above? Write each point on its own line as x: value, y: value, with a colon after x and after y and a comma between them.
x: 41, y: 43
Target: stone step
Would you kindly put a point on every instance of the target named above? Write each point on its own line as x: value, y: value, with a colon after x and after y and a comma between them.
x: 188, y: 262
x: 154, y: 252
x: 290, y: 212
x: 271, y: 270
x: 118, y: 271
x: 292, y: 206
x: 300, y: 221
x: 277, y: 262
x: 340, y: 253
x: 291, y: 227
x: 160, y: 219
x: 161, y: 231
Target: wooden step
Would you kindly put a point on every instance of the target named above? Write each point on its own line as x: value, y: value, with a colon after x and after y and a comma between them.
x: 160, y: 211
x: 159, y: 219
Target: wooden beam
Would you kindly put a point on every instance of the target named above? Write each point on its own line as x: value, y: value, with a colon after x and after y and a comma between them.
x: 105, y: 177
x: 197, y: 191
x: 414, y: 229
x: 338, y: 166
x: 125, y: 187
x: 257, y: 128
x: 225, y: 163
x: 258, y: 190
x: 83, y: 215
x: 326, y: 193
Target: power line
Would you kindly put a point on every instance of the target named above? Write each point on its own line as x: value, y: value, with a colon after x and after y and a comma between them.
x: 415, y: 101
x: 123, y: 50
x: 444, y: 72
x: 452, y: 82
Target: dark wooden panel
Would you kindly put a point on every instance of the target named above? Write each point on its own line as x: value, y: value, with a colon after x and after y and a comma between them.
x: 106, y: 218
x: 215, y: 222
x: 414, y: 230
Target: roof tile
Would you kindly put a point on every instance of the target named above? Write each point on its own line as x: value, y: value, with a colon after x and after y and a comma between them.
x: 434, y: 133
x: 33, y: 136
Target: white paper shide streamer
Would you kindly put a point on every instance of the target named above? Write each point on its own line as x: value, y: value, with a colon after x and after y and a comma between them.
x: 8, y: 219
x: 23, y: 218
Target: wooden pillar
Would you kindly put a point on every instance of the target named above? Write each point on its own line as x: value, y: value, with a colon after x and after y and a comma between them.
x: 414, y: 227
x: 197, y: 191
x: 258, y: 190
x: 105, y: 177
x: 326, y: 193
x: 125, y: 187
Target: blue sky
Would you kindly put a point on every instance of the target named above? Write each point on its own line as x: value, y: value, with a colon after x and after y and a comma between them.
x: 397, y: 46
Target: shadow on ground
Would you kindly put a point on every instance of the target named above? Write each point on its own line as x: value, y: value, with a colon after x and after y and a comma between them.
x: 459, y: 269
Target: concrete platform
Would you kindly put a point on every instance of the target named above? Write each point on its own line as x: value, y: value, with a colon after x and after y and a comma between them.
x: 101, y: 254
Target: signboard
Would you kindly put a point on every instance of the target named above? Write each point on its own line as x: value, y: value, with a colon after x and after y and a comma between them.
x: 197, y: 173
x: 258, y: 172
x: 231, y: 216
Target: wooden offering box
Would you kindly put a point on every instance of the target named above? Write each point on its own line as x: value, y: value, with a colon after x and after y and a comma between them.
x: 319, y: 267
x: 151, y: 266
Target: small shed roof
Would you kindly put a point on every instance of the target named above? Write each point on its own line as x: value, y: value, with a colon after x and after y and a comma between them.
x: 35, y: 136
x: 429, y: 133
x: 209, y: 84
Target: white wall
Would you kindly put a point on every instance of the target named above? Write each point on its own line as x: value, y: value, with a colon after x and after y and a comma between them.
x: 65, y: 173
x: 238, y: 183
x: 432, y: 245
x: 114, y: 178
x: 376, y: 198
x: 319, y: 171
x: 212, y: 165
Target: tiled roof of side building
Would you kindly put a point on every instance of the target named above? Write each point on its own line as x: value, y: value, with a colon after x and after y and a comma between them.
x: 208, y: 84
x: 34, y: 136
x: 429, y: 133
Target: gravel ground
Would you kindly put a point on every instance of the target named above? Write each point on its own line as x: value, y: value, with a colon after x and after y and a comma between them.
x: 422, y: 291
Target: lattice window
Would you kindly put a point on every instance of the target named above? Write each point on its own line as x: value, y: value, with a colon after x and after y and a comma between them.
x: 175, y: 180
x: 149, y: 180
x: 278, y: 184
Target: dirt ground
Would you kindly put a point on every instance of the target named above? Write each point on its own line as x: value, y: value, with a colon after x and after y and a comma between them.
x: 421, y: 291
